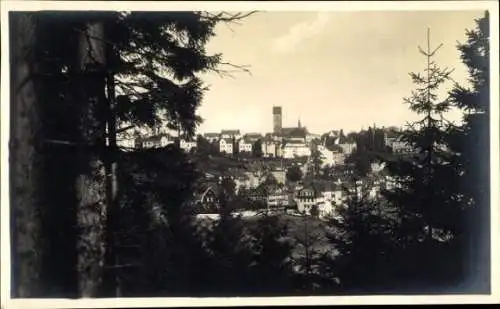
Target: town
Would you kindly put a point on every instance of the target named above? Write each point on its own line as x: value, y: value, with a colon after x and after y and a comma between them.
x: 289, y: 170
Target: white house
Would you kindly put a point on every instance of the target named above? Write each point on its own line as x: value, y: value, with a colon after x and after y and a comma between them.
x: 226, y: 145
x: 294, y: 149
x: 347, y: 148
x: 126, y: 142
x: 245, y: 145
x: 269, y: 148
x: 158, y: 141
x: 279, y: 174
x: 401, y: 146
x: 187, y: 145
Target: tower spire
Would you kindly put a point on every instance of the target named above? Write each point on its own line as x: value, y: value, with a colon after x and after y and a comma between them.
x: 299, y: 123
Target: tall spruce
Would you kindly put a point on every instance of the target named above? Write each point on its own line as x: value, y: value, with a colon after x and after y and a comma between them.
x: 472, y: 141
x: 424, y: 195
x: 361, y: 236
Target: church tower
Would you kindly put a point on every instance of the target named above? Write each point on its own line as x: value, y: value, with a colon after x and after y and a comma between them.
x: 277, y: 119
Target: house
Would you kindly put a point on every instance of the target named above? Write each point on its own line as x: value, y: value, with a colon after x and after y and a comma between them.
x: 347, y: 147
x: 278, y: 199
x: 206, y: 197
x: 269, y: 148
x: 226, y: 145
x: 212, y: 137
x: 399, y: 145
x: 306, y: 197
x: 252, y: 179
x: 253, y: 137
x: 158, y: 141
x: 234, y: 134
x: 325, y: 209
x: 326, y: 155
x: 187, y: 145
x: 293, y: 148
x: 338, y: 158
x: 377, y: 167
x: 126, y: 143
x: 245, y: 145
x: 280, y: 175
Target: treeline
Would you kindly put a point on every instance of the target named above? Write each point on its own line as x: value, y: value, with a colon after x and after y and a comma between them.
x: 90, y: 220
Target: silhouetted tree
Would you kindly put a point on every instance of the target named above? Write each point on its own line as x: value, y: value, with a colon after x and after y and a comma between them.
x: 272, y: 252
x: 362, y: 257
x: 468, y: 139
x: 427, y: 206
x: 257, y: 149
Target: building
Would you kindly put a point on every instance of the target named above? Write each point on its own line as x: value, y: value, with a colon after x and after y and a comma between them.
x: 269, y: 148
x: 244, y: 145
x: 187, y: 145
x: 235, y: 134
x: 326, y: 155
x: 401, y: 146
x: 206, y: 197
x: 253, y: 137
x: 278, y: 198
x: 226, y: 145
x: 126, y: 143
x: 347, y: 147
x: 277, y: 119
x: 294, y: 149
x: 158, y: 141
x: 325, y: 209
x: 212, y: 137
x: 305, y: 198
x: 280, y: 175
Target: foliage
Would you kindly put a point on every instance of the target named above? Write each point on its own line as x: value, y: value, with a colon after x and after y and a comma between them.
x: 257, y: 149
x: 425, y: 197
x: 473, y: 134
x: 294, y: 173
x: 362, y: 234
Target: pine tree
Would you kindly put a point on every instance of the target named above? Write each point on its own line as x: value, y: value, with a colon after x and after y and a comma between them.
x: 471, y: 141
x: 361, y: 236
x: 428, y: 208
x: 271, y: 268
x: 160, y: 52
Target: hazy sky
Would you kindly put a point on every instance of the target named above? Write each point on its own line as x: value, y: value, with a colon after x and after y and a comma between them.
x: 332, y: 69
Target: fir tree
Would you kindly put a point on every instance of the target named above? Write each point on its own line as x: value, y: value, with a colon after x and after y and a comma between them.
x: 360, y: 233
x: 471, y: 141
x: 428, y: 208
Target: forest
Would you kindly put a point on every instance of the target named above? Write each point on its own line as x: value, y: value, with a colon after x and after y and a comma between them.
x: 92, y: 219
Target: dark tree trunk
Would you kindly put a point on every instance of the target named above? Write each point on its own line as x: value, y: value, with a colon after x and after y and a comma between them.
x: 24, y: 168
x: 91, y: 182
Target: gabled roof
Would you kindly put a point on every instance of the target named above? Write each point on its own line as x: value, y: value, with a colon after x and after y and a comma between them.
x: 294, y: 132
x: 227, y: 140
x: 253, y: 135
x: 231, y: 132
x: 211, y: 134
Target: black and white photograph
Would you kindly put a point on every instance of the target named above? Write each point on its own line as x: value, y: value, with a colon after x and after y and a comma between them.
x: 248, y: 151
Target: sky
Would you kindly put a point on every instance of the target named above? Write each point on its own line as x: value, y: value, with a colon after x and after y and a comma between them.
x: 333, y: 70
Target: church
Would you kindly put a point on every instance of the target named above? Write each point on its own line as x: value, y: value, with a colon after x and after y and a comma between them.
x: 288, y: 142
